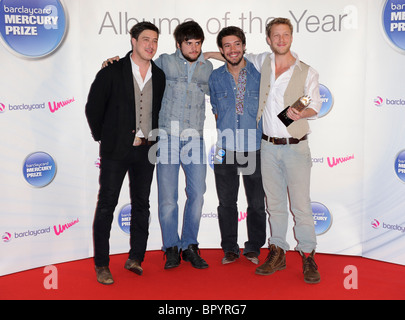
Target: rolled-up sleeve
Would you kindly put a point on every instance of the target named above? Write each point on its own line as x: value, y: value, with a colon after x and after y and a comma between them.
x: 312, y: 90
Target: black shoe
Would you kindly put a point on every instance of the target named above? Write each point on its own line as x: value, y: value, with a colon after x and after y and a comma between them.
x: 191, y: 254
x: 172, y: 258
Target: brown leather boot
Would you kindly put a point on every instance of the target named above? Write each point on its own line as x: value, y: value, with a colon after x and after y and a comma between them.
x: 134, y: 266
x: 275, y: 261
x: 310, y: 269
x: 104, y: 275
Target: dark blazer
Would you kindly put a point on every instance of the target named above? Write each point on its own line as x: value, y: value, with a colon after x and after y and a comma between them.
x: 110, y: 108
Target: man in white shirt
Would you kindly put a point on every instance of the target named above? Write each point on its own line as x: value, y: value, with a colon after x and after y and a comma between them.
x: 286, y: 157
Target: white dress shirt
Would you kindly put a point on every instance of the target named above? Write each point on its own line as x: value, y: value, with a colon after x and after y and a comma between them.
x: 137, y: 74
x: 272, y: 126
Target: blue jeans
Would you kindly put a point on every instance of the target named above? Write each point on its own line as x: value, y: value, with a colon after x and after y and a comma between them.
x: 286, y: 171
x: 174, y: 153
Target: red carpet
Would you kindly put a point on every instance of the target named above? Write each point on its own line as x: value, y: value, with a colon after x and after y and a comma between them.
x: 238, y: 281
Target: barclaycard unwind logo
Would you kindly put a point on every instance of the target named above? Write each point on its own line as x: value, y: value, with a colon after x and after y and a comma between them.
x: 393, y: 22
x: 35, y: 232
x: 32, y: 28
x: 52, y: 106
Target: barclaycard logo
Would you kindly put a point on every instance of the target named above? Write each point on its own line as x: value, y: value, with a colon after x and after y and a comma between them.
x: 389, y: 102
x: 376, y: 224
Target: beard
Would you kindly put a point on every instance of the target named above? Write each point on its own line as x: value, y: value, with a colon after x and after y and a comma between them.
x: 232, y: 63
x: 190, y: 59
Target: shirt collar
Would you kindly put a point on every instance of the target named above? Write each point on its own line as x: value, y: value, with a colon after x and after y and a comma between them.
x: 137, y: 74
x: 248, y: 66
x: 135, y: 67
x: 297, y: 60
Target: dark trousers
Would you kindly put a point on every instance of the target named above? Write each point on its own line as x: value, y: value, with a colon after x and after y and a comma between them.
x: 112, y: 174
x: 227, y: 184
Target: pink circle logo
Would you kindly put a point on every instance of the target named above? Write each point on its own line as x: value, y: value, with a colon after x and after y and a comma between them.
x: 378, y: 101
x: 6, y: 237
x: 375, y: 224
x: 2, y: 108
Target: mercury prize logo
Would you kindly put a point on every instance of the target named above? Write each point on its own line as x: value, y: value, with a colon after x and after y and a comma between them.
x: 327, y: 100
x: 400, y: 165
x: 393, y: 22
x: 39, y: 169
x: 32, y: 28
x: 322, y: 218
x: 124, y: 218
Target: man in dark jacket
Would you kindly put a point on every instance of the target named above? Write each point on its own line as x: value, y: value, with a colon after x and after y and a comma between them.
x: 122, y: 111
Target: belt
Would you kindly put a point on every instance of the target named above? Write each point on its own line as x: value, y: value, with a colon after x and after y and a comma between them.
x: 283, y: 141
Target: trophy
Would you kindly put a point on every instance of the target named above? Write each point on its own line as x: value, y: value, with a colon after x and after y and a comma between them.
x: 300, y: 104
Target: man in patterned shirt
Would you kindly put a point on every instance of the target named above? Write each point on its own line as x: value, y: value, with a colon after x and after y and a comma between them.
x: 234, y: 92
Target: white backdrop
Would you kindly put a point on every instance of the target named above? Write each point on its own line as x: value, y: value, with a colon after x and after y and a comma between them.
x: 49, y: 172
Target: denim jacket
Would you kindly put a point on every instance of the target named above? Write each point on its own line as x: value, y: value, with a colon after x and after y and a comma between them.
x: 236, y: 132
x: 183, y: 101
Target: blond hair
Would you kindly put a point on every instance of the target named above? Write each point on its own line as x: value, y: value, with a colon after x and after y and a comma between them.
x: 278, y: 21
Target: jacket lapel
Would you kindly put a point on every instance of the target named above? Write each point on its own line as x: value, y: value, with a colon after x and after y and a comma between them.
x: 156, y: 82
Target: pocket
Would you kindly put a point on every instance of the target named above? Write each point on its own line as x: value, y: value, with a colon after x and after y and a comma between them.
x: 252, y: 98
x: 303, y: 151
x: 221, y: 95
x: 204, y: 88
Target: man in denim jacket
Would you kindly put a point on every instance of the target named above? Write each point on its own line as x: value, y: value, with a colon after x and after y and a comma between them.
x: 234, y: 93
x: 181, y: 122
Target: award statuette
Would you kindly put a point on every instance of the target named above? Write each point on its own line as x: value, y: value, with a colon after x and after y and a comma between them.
x: 300, y: 104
